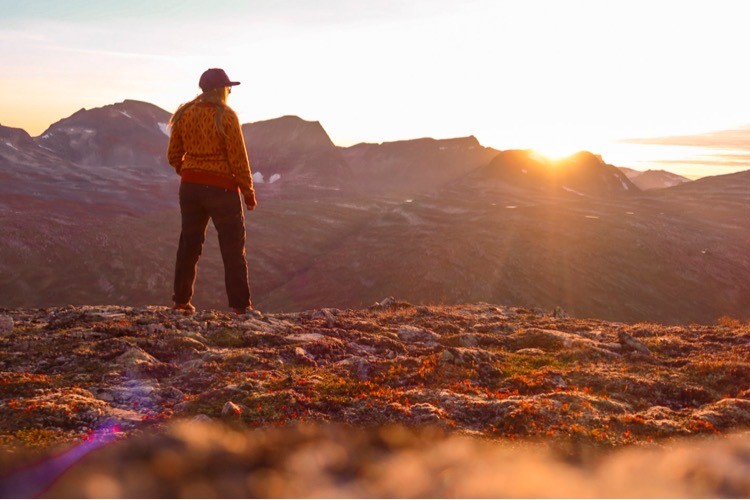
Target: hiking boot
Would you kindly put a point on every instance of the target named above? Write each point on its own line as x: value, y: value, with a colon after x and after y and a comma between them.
x: 185, y: 308
x: 249, y: 310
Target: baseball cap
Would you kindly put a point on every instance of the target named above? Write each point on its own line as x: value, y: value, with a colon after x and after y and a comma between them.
x: 214, y: 78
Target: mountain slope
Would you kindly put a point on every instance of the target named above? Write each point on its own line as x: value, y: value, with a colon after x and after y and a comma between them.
x: 411, y: 167
x: 290, y: 152
x: 580, y: 174
x: 644, y: 257
x: 130, y: 134
x: 653, y: 179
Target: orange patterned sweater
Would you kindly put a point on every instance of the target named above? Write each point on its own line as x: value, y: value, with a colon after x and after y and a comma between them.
x: 201, y: 155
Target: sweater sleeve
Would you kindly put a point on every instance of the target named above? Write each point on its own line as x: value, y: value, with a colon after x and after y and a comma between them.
x: 176, y: 149
x: 237, y: 154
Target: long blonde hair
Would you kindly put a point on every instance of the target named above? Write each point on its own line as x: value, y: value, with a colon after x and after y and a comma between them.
x: 217, y: 97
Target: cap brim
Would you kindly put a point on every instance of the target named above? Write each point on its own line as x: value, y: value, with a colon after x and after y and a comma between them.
x: 232, y: 84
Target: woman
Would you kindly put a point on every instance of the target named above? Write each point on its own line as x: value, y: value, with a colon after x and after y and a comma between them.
x: 207, y: 150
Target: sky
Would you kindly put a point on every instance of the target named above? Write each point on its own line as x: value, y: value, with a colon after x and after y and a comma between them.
x: 646, y: 84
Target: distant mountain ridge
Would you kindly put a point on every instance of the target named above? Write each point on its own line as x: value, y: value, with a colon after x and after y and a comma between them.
x: 580, y: 174
x: 429, y: 220
x: 653, y: 179
x: 413, y: 166
x: 290, y: 150
x: 129, y: 134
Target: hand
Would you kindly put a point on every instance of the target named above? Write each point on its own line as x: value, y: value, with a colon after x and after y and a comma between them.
x: 250, y: 202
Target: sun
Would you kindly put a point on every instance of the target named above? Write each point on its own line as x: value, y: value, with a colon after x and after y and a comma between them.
x: 557, y: 150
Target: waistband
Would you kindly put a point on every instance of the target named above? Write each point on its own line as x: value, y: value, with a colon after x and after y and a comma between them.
x: 209, y: 156
x: 196, y: 177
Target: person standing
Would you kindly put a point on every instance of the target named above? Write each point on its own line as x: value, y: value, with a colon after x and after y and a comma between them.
x: 207, y: 150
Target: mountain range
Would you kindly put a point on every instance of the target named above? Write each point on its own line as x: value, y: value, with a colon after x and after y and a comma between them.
x: 88, y: 212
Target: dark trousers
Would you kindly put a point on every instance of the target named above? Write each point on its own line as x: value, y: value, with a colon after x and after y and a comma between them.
x: 198, y: 204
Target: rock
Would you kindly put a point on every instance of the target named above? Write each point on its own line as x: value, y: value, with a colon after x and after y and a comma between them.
x: 384, y: 304
x: 425, y: 413
x: 544, y: 339
x: 201, y: 417
x: 557, y: 380
x: 530, y: 351
x: 595, y: 352
x: 103, y: 315
x: 302, y: 357
x: 630, y: 343
x: 187, y: 343
x: 193, y: 364
x: 105, y: 396
x: 6, y: 324
x: 362, y: 369
x: 726, y: 413
x: 423, y: 310
x: 559, y: 313
x: 468, y: 341
x: 305, y: 337
x: 487, y: 371
x: 409, y: 333
x: 327, y: 315
x: 136, y: 358
x: 141, y: 391
x: 231, y: 410
x: 196, y: 336
x: 154, y: 328
x: 447, y: 357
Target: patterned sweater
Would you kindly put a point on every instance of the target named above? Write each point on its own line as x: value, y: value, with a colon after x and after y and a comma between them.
x: 201, y: 155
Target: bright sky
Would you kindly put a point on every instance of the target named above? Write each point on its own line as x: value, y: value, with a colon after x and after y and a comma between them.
x: 557, y: 75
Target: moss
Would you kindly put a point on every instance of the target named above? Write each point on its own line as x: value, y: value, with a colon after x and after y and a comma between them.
x: 522, y: 364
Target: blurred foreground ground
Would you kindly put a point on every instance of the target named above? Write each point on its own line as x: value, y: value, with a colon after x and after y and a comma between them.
x: 204, y: 459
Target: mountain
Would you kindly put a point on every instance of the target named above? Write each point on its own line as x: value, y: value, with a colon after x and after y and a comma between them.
x: 411, y: 167
x: 289, y: 151
x: 128, y: 135
x: 449, y: 222
x: 33, y: 177
x: 107, y: 160
x: 653, y: 179
x: 582, y: 174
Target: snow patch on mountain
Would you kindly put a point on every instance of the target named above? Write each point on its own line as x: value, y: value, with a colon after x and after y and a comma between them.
x: 11, y: 145
x: 164, y: 129
x: 566, y: 188
x: 258, y: 178
x: 274, y: 178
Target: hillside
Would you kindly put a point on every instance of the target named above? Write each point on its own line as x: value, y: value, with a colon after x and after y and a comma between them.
x: 443, y: 221
x: 507, y: 374
x: 409, y: 168
x: 289, y: 152
x: 659, y: 256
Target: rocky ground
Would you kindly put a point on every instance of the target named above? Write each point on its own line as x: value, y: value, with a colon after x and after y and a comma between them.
x: 303, y: 404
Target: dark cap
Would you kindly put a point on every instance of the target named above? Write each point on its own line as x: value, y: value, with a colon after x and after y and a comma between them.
x: 214, y: 78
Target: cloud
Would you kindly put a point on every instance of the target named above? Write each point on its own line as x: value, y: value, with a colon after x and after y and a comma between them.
x: 731, y: 139
x: 732, y: 161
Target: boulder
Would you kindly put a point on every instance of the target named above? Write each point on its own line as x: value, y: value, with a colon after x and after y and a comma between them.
x: 412, y: 334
